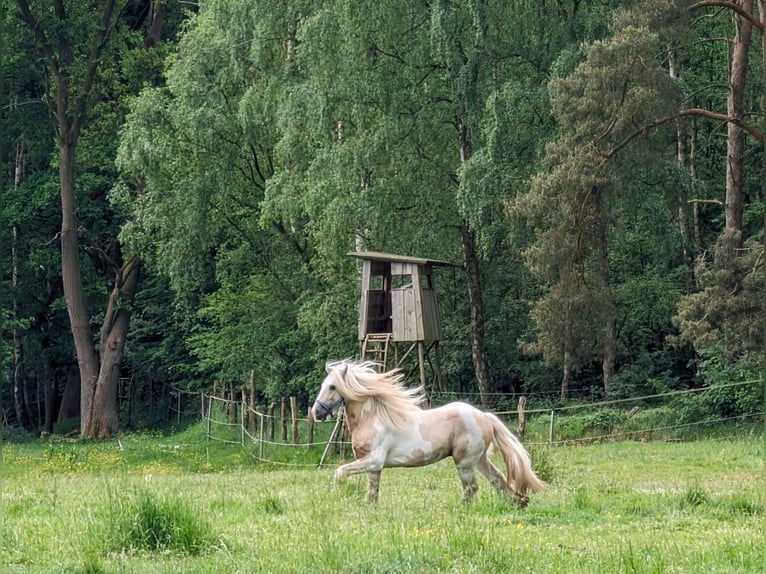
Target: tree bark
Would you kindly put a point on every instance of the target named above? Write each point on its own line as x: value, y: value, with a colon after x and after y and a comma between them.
x: 74, y: 295
x: 23, y: 414
x: 102, y: 418
x: 566, y: 374
x: 475, y: 298
x: 735, y: 146
x: 476, y: 303
x: 70, y: 398
x: 609, y: 344
x: 682, y: 156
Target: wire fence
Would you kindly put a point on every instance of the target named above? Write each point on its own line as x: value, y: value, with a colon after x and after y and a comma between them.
x: 235, y: 422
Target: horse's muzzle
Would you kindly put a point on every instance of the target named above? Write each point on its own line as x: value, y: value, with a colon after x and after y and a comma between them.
x: 318, y: 414
x: 321, y: 409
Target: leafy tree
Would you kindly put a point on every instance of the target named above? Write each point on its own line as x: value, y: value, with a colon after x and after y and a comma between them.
x: 73, y: 42
x: 202, y: 154
x: 617, y: 88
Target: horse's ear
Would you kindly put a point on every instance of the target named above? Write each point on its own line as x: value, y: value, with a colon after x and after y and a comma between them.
x: 327, y: 367
x: 345, y: 370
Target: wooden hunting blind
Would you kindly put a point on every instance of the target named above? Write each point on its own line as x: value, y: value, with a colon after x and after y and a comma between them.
x: 398, y: 306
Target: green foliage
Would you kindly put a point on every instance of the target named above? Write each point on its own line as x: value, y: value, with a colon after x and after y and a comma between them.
x: 598, y: 423
x: 724, y: 400
x: 727, y: 310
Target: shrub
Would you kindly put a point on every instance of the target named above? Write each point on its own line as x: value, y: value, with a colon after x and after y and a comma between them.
x: 597, y: 423
x: 145, y: 522
x: 725, y: 402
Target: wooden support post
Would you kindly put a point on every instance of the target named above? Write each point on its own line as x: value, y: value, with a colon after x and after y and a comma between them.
x: 522, y: 416
x: 550, y: 431
x: 310, y: 438
x: 245, y: 412
x: 272, y: 422
x: 242, y: 425
x: 294, y: 419
x: 209, y: 416
x: 283, y: 416
x: 232, y: 404
x: 253, y: 405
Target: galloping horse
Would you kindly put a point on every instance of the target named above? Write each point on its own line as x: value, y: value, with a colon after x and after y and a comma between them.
x: 390, y: 429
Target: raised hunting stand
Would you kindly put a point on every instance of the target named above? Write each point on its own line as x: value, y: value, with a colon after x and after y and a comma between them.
x: 398, y: 313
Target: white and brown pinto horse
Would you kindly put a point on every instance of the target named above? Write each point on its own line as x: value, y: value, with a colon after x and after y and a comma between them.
x: 390, y: 429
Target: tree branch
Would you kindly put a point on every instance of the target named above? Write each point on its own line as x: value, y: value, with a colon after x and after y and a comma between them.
x: 689, y: 112
x: 32, y: 22
x: 733, y: 6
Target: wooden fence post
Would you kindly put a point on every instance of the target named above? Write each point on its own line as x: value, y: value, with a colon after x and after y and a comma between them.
x: 283, y: 416
x: 294, y: 419
x: 242, y: 425
x: 310, y: 438
x: 254, y: 423
x: 272, y: 422
x: 550, y: 431
x: 209, y: 416
x: 232, y: 404
x: 522, y: 416
x: 245, y: 412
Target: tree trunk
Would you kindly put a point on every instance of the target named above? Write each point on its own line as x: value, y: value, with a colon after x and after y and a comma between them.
x: 23, y: 414
x: 476, y: 303
x: 50, y: 404
x: 609, y: 344
x: 70, y: 398
x: 475, y: 298
x: 682, y: 157
x: 102, y: 419
x: 735, y: 161
x: 566, y: 374
x: 97, y: 408
x: 74, y: 294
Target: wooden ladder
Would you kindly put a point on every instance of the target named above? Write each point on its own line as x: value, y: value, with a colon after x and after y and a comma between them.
x: 375, y: 348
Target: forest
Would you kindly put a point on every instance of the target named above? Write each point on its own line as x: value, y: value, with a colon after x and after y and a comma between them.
x: 182, y: 182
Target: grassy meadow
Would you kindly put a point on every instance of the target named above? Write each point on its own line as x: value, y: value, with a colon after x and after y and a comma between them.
x: 154, y: 503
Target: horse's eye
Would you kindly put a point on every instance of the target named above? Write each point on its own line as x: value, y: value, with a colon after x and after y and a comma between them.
x: 332, y: 387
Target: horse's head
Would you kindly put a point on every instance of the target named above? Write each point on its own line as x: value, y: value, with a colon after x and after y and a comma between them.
x: 329, y: 399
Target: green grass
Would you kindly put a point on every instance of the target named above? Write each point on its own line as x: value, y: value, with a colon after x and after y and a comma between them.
x: 153, y: 503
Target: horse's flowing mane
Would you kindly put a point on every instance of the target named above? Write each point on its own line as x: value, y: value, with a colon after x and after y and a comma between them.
x: 385, y: 393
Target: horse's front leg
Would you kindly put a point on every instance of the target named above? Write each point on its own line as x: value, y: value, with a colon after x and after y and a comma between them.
x: 373, y: 485
x: 370, y: 464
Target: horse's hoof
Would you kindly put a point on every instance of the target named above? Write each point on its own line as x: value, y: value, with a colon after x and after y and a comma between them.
x: 521, y: 501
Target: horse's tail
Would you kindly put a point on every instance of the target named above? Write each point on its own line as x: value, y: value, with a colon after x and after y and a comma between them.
x: 517, y: 460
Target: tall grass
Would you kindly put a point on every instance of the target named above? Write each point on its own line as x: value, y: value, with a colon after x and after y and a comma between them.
x: 154, y: 504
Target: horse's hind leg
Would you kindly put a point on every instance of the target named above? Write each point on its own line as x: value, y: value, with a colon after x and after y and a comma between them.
x: 468, y: 478
x: 373, y: 485
x: 496, y: 479
x: 493, y: 475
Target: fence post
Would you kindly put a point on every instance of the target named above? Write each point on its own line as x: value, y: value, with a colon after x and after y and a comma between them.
x: 522, y: 416
x: 310, y: 438
x: 294, y: 419
x: 550, y: 432
x: 283, y: 417
x: 209, y: 415
x: 272, y: 421
x: 243, y: 423
x: 253, y: 406
x: 260, y: 450
x: 245, y: 412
